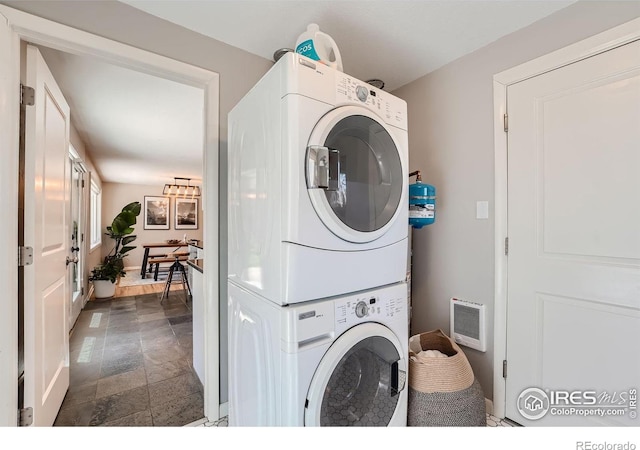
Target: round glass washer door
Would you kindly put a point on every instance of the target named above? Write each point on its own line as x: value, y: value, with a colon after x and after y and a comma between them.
x: 355, y: 176
x: 358, y: 381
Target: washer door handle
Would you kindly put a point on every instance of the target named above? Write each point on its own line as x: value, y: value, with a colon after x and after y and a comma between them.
x: 398, y: 379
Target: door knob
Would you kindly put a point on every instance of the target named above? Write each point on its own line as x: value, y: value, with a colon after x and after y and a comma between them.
x: 72, y: 260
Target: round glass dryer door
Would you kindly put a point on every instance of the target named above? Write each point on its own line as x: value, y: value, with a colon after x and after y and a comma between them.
x: 354, y: 174
x: 359, y: 380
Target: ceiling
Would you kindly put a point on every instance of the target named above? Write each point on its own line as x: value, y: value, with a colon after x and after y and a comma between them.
x: 141, y: 129
x: 396, y: 41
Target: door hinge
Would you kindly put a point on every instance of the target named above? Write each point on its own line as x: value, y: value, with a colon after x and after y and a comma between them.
x: 25, y: 417
x: 27, y: 95
x: 82, y: 184
x: 25, y: 256
x: 82, y: 290
x: 81, y: 237
x: 504, y: 368
x: 505, y: 121
x: 506, y: 246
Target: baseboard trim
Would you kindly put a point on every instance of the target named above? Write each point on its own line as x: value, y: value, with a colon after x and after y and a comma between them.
x: 224, y: 409
x: 488, y: 404
x: 197, y: 423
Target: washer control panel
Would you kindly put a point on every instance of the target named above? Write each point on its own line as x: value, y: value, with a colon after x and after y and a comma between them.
x: 372, y: 306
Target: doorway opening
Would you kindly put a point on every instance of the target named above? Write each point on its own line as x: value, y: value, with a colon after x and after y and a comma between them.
x: 27, y: 28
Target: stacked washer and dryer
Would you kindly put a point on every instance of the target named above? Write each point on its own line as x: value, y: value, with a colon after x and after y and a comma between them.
x: 318, y: 229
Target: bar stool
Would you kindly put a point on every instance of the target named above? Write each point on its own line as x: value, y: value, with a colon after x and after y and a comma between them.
x: 176, y: 267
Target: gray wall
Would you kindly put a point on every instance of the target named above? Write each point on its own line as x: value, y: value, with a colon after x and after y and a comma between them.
x: 451, y: 142
x: 239, y: 71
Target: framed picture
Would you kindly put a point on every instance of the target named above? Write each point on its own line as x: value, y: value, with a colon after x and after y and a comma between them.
x: 186, y: 213
x: 156, y: 213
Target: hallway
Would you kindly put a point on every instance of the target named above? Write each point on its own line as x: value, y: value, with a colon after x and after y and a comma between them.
x: 131, y: 363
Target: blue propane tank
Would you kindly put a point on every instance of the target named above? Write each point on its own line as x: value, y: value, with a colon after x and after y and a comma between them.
x: 422, y: 203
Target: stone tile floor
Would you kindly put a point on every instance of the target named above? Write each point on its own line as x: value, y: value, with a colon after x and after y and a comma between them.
x: 493, y: 421
x: 131, y: 364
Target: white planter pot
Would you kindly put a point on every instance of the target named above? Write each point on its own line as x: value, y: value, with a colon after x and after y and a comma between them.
x: 104, y: 288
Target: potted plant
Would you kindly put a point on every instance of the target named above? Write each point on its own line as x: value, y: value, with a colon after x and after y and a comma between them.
x: 105, y: 275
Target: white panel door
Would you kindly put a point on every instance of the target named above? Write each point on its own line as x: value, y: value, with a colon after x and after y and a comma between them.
x: 47, y: 230
x: 574, y: 243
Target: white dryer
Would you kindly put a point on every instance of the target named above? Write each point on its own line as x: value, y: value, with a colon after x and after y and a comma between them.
x: 317, y: 184
x: 333, y: 362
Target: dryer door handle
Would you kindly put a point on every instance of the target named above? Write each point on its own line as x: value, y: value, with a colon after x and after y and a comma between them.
x: 317, y: 167
x: 334, y: 170
x: 323, y: 167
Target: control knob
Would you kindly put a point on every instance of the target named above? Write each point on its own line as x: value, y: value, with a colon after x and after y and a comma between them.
x: 362, y: 309
x: 362, y: 93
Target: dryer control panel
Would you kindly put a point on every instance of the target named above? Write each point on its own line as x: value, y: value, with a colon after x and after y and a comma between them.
x: 382, y: 306
x: 390, y: 108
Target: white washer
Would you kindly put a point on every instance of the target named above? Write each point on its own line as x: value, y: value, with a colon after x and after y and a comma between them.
x: 334, y: 362
x: 317, y: 184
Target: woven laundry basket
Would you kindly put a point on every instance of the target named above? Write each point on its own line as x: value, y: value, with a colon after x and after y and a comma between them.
x: 442, y: 391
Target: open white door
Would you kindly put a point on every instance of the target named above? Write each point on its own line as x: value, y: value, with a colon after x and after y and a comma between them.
x: 574, y: 244
x: 47, y: 231
x: 76, y: 177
